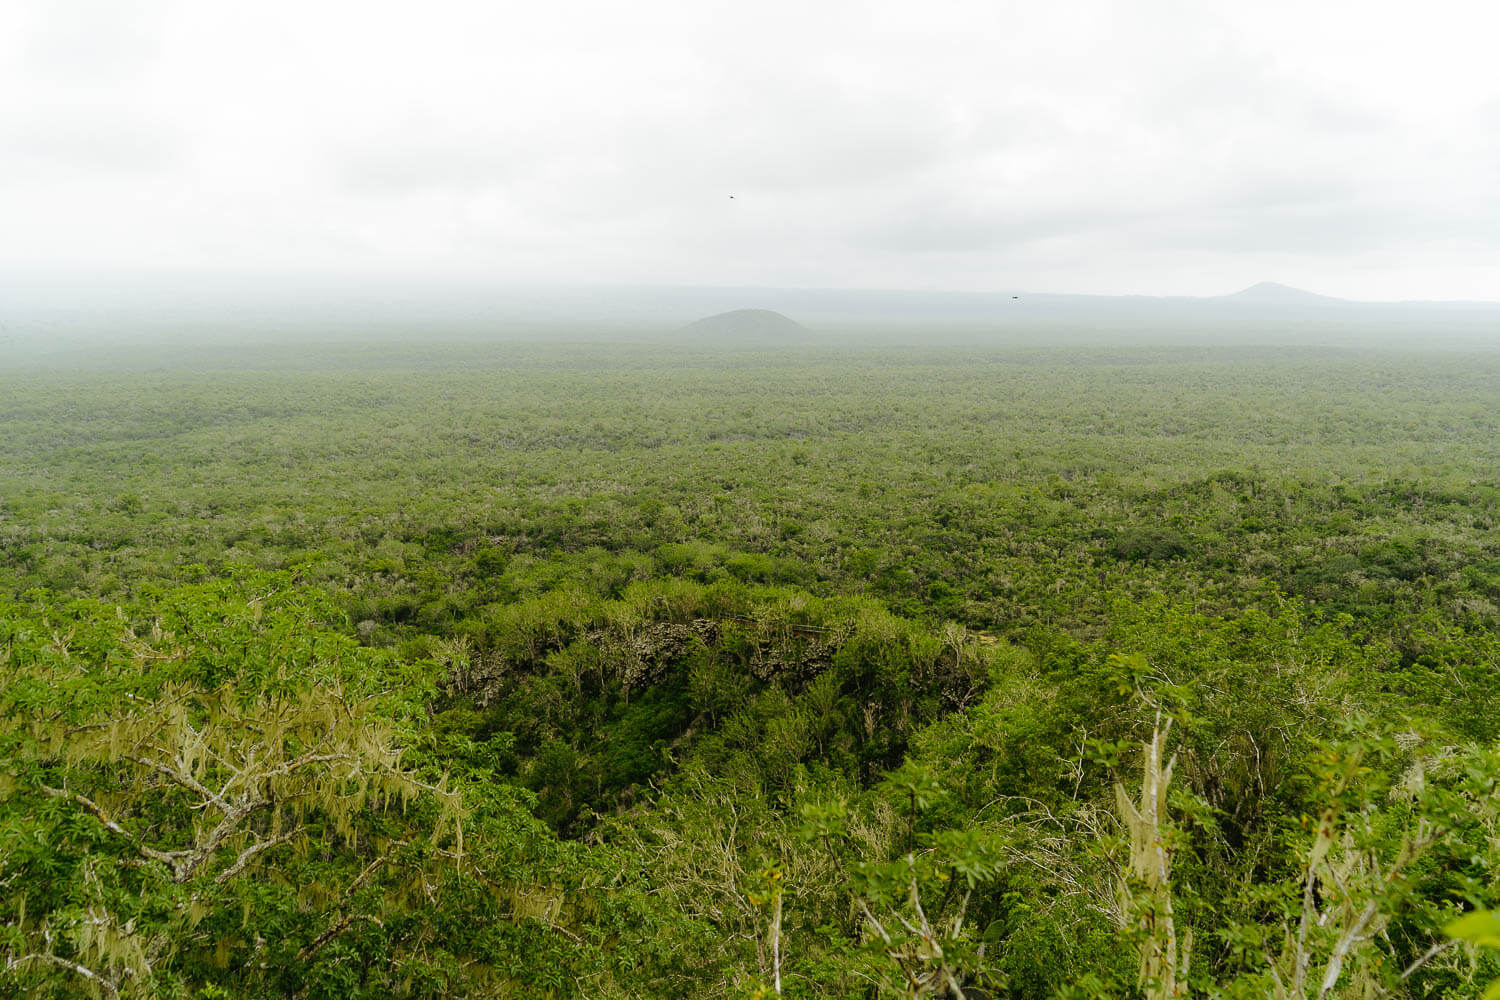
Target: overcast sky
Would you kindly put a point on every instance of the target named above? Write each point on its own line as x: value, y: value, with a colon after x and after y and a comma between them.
x: 1148, y: 146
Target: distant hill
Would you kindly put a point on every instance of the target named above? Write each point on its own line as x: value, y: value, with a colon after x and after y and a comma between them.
x: 747, y: 323
x: 1271, y: 293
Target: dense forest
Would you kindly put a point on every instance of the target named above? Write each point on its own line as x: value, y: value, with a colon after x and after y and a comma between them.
x: 647, y: 669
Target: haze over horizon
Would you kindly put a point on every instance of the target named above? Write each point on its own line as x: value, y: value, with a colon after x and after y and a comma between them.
x: 1351, y: 150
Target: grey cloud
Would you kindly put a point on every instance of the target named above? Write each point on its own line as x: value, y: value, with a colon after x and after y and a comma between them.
x: 1307, y: 231
x: 88, y: 147
x: 92, y: 41
x: 410, y: 167
x: 863, y: 141
x: 953, y: 228
x: 1275, y: 189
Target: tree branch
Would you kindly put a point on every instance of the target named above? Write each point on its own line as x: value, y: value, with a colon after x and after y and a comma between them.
x: 179, y: 776
x: 90, y: 805
x: 345, y: 919
x: 249, y: 853
x: 107, y: 985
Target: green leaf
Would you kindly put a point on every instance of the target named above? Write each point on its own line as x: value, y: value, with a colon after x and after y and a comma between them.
x: 1481, y: 927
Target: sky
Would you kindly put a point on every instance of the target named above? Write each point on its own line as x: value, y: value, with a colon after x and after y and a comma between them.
x: 1146, y: 147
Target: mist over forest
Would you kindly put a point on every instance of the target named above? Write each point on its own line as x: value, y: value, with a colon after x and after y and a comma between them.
x: 65, y: 319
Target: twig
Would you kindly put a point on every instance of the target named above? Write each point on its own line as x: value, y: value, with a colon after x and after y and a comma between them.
x: 1426, y: 957
x: 107, y: 985
x: 90, y: 805
x: 249, y: 853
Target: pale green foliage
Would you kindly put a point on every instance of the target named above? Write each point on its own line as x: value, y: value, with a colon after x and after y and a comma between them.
x: 155, y: 828
x: 253, y: 769
x: 1363, y: 868
x: 1482, y: 927
x: 1164, y: 961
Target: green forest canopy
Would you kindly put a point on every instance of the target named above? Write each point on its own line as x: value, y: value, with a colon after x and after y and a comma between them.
x: 632, y: 670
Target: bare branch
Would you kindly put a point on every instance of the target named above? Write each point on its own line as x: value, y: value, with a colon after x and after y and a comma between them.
x: 1426, y: 957
x: 90, y: 805
x: 879, y: 929
x: 107, y: 985
x: 1345, y: 944
x: 168, y: 858
x: 179, y: 776
x: 334, y: 930
x: 345, y: 919
x: 249, y: 853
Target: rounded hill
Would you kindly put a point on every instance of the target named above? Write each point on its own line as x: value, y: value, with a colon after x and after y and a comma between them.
x: 747, y: 323
x: 1271, y: 293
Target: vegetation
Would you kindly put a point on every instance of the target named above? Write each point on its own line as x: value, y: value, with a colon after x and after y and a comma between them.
x: 497, y: 669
